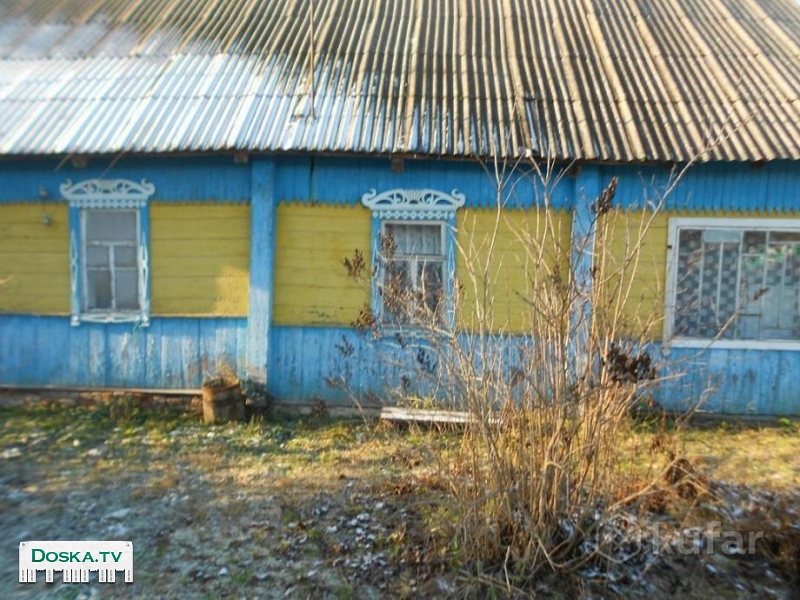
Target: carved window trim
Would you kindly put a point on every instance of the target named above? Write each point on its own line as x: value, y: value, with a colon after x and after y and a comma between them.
x: 413, y: 204
x: 107, y: 194
x: 419, y: 205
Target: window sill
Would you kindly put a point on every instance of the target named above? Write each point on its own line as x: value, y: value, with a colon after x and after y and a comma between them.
x: 791, y: 345
x: 110, y: 318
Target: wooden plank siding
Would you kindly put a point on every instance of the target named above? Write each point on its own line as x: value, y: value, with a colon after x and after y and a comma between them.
x: 173, y: 353
x: 200, y: 257
x: 636, y: 280
x: 631, y: 261
x: 311, y: 285
x: 528, y: 246
x: 34, y: 259
x: 200, y: 253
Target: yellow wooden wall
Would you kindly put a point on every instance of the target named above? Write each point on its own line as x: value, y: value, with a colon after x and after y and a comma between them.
x: 529, y: 244
x: 199, y: 259
x: 34, y: 259
x: 311, y: 285
x: 631, y: 259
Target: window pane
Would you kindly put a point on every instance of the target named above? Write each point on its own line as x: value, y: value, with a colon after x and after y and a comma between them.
x: 748, y: 327
x: 712, y: 270
x: 430, y: 283
x: 413, y: 270
x: 720, y: 236
x: 111, y: 226
x: 412, y: 239
x: 708, y: 325
x: 98, y: 289
x: 397, y: 291
x: 784, y: 236
x: 728, y: 290
x: 687, y: 296
x: 744, y: 290
x: 755, y: 241
x: 751, y: 286
x: 125, y: 256
x: 97, y: 256
x: 127, y: 289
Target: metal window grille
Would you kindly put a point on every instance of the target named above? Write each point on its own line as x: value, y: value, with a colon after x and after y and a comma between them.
x: 737, y: 284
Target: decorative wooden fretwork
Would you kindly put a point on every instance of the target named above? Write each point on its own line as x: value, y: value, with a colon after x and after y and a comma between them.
x: 414, y: 204
x: 107, y: 193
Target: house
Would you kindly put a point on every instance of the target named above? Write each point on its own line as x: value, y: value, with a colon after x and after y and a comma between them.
x: 181, y: 181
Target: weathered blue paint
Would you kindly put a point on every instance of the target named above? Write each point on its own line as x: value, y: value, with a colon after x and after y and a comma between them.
x: 742, y: 382
x: 262, y: 268
x: 342, y: 366
x: 582, y: 241
x: 769, y: 188
x: 339, y: 366
x: 344, y: 181
x: 171, y: 353
x: 303, y: 363
x: 145, y: 290
x: 75, y: 270
x: 177, y: 179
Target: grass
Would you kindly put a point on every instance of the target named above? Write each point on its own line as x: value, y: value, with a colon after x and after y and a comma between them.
x: 758, y: 455
x: 276, y: 472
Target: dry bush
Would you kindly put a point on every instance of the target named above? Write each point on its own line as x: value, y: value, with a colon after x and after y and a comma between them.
x: 550, y: 391
x: 542, y: 457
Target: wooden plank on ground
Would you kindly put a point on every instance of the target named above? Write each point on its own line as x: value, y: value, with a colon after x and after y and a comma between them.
x: 418, y: 415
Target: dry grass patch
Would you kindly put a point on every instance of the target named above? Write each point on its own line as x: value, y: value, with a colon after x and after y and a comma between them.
x: 336, y: 507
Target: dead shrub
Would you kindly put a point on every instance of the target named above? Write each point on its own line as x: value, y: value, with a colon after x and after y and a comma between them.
x: 538, y: 466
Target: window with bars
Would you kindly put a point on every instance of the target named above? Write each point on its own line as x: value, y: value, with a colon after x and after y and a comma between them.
x: 110, y: 260
x: 736, y: 281
x: 412, y: 272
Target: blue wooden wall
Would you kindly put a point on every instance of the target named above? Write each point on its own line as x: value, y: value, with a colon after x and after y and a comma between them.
x: 303, y: 362
x: 769, y: 188
x: 739, y: 382
x: 345, y: 181
x: 172, y: 353
x: 211, y: 178
x: 772, y: 187
x: 337, y: 365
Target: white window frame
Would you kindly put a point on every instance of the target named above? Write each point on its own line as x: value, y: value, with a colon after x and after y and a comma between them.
x: 113, y: 312
x: 408, y: 206
x: 381, y: 275
x: 107, y: 195
x: 705, y: 223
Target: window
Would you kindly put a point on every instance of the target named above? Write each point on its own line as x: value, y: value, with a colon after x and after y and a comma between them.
x: 735, y: 280
x: 111, y: 260
x: 108, y: 250
x: 413, y: 272
x: 413, y: 248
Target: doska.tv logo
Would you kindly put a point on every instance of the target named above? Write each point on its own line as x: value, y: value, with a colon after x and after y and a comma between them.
x: 75, y: 560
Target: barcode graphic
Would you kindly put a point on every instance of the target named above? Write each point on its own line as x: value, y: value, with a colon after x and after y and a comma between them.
x: 75, y: 576
x: 27, y: 575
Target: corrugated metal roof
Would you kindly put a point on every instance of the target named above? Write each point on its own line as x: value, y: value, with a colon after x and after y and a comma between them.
x: 623, y: 80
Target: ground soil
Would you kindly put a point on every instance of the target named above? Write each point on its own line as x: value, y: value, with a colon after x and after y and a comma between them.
x: 307, y: 508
